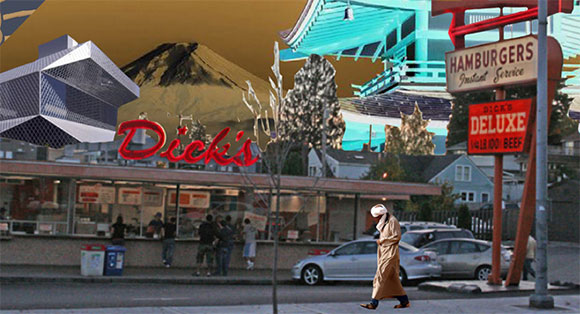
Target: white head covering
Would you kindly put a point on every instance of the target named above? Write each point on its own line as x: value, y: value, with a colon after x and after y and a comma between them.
x: 377, y: 211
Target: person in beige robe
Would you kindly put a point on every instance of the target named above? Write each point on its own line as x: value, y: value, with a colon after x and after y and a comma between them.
x: 386, y: 283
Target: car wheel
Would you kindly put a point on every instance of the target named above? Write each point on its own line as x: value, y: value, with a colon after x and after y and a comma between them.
x: 482, y: 272
x: 311, y: 275
x: 403, y: 276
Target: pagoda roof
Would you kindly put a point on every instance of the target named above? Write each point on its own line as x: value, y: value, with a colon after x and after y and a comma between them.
x: 391, y: 105
x: 321, y: 28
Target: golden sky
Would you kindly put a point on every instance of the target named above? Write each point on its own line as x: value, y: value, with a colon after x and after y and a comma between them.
x: 242, y: 31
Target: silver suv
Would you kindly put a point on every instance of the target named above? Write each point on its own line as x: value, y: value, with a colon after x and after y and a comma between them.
x: 419, y: 238
x: 418, y: 225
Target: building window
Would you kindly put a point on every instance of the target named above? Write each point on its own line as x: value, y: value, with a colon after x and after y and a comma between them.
x: 8, y: 155
x: 484, y: 197
x: 312, y: 171
x: 468, y: 196
x: 1, y: 154
x: 463, y: 173
x: 524, y: 166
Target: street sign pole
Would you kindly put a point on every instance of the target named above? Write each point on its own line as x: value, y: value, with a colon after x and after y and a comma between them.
x: 541, y: 299
x: 495, y: 278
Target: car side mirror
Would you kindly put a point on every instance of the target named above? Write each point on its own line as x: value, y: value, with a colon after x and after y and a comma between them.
x: 332, y: 253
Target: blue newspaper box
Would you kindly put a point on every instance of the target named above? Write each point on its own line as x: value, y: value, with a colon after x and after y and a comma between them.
x: 114, y: 260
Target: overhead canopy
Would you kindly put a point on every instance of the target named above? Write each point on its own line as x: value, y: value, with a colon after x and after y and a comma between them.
x: 321, y: 28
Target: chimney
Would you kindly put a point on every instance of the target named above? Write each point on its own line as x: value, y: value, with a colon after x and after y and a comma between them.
x: 62, y: 43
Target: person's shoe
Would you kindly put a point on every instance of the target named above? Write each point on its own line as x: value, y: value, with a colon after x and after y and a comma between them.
x: 196, y: 274
x: 369, y: 306
x: 167, y: 265
x: 402, y: 306
x: 251, y: 267
x: 164, y: 262
x: 208, y: 274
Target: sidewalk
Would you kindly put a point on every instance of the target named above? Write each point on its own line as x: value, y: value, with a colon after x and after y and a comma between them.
x: 563, y: 304
x: 14, y: 273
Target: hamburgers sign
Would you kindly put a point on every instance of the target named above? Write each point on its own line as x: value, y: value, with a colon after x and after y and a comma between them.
x: 503, y: 63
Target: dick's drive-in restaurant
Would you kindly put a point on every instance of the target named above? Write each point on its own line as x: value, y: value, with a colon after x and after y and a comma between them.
x: 49, y: 209
x: 52, y: 208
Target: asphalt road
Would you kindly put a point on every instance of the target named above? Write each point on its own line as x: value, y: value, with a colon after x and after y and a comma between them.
x: 82, y: 295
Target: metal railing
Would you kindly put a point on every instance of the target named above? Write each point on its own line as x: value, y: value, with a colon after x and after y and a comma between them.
x: 481, y: 220
x: 404, y: 72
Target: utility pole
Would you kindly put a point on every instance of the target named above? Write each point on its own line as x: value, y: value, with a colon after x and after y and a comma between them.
x: 324, y: 118
x: 541, y: 299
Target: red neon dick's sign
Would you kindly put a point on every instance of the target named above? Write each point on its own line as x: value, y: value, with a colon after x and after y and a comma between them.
x: 194, y: 152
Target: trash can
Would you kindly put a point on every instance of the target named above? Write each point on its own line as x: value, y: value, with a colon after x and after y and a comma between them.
x: 92, y: 259
x: 115, y: 258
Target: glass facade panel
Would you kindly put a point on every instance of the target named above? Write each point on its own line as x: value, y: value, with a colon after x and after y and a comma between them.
x: 88, y: 76
x: 19, y: 97
x: 62, y: 101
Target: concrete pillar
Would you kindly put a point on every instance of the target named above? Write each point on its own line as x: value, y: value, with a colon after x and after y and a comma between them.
x: 71, y: 185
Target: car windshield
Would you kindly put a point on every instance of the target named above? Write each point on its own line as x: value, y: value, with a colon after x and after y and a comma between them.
x: 411, y: 238
x: 407, y: 247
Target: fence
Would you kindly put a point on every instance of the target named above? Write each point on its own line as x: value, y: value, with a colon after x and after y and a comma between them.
x: 481, y: 221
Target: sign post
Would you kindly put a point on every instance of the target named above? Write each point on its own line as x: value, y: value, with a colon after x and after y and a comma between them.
x: 497, y: 128
x: 508, y: 63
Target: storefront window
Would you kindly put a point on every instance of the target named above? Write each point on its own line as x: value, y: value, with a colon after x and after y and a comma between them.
x: 99, y: 204
x: 39, y: 205
x: 302, y: 216
x: 34, y: 205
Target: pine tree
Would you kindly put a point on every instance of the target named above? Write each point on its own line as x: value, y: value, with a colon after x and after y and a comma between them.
x: 412, y: 138
x: 314, y: 89
x: 457, y: 127
x: 388, y: 169
x: 393, y: 141
x: 464, y: 217
x: 197, y: 131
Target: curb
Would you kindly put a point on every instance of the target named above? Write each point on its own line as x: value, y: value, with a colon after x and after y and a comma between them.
x: 474, y: 289
x: 184, y: 281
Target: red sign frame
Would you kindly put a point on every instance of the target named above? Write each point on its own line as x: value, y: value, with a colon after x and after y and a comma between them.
x: 499, y: 127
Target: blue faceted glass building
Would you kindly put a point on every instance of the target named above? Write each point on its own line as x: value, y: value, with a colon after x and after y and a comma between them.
x: 70, y: 94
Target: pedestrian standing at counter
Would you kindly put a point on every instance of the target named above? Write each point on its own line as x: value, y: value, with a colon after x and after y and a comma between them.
x: 168, y: 242
x: 207, y: 236
x: 250, y: 243
x: 118, y: 232
x: 155, y: 226
x: 386, y: 283
x: 224, y: 245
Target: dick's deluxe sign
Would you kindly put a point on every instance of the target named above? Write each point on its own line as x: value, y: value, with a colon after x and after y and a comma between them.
x: 498, y: 127
x: 488, y: 66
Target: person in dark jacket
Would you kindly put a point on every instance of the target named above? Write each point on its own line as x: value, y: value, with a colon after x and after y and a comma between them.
x: 207, y: 237
x: 224, y: 246
x: 169, y: 229
x: 118, y: 232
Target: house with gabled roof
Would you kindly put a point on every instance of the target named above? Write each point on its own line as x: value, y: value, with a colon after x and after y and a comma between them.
x: 468, y: 180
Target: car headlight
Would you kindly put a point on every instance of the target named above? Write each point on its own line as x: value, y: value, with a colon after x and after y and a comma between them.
x: 507, y: 255
x: 298, y: 264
